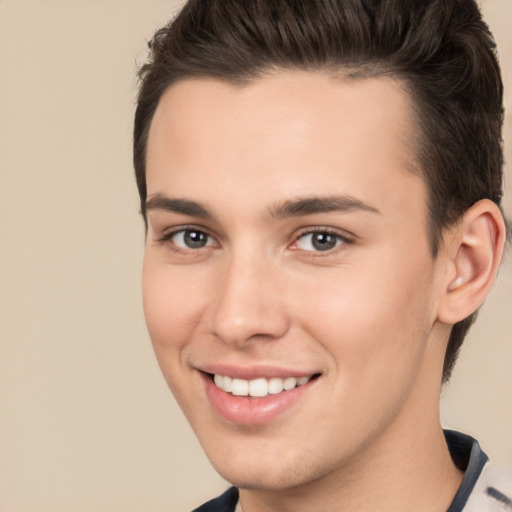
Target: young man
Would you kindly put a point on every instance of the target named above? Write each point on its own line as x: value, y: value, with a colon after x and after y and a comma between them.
x: 321, y: 185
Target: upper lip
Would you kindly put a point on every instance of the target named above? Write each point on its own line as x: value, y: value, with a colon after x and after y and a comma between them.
x: 254, y: 371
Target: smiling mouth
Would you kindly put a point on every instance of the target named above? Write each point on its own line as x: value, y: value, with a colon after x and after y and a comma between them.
x: 260, y: 387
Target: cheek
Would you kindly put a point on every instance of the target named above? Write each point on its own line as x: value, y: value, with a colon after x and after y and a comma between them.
x: 372, y: 320
x: 171, y: 306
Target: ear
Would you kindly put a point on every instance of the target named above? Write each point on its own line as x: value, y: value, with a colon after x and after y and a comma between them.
x: 474, y: 248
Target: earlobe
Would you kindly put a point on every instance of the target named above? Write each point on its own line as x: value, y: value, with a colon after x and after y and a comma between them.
x: 475, y: 247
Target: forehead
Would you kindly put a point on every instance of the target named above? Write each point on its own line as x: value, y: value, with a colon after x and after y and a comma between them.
x: 283, y: 135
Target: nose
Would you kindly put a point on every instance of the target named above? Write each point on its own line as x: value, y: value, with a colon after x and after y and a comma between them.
x: 248, y: 304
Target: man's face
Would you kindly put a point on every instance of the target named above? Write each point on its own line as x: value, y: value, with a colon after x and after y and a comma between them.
x: 287, y: 240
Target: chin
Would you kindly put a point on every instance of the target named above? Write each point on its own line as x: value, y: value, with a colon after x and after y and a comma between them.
x: 270, y: 474
x: 265, y: 480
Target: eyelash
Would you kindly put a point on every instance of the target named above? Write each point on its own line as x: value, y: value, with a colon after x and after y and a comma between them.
x: 341, y: 240
x: 166, y: 238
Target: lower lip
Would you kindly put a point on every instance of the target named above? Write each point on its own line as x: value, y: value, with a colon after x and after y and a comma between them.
x: 246, y: 410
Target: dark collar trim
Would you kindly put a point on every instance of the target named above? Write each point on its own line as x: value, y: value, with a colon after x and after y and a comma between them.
x: 224, y: 503
x: 468, y: 457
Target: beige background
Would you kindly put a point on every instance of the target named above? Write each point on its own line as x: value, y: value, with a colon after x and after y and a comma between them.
x: 86, y: 422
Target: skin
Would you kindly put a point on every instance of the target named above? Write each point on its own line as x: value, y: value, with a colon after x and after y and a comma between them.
x: 371, y: 316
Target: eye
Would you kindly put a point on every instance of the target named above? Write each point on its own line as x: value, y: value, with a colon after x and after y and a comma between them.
x: 191, y: 239
x: 320, y: 241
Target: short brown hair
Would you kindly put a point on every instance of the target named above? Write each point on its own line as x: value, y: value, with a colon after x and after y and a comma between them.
x: 441, y: 49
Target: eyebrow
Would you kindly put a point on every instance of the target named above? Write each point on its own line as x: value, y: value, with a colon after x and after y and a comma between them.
x: 314, y: 205
x: 159, y: 202
x: 291, y: 208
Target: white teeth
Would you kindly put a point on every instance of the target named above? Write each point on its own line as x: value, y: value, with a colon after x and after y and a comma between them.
x: 227, y: 384
x: 240, y: 387
x: 289, y: 383
x: 259, y: 387
x: 275, y: 385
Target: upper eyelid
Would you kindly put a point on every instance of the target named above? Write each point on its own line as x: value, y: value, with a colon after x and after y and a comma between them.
x: 163, y: 221
x: 167, y: 233
x: 165, y: 239
x: 342, y: 233
x: 346, y: 240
